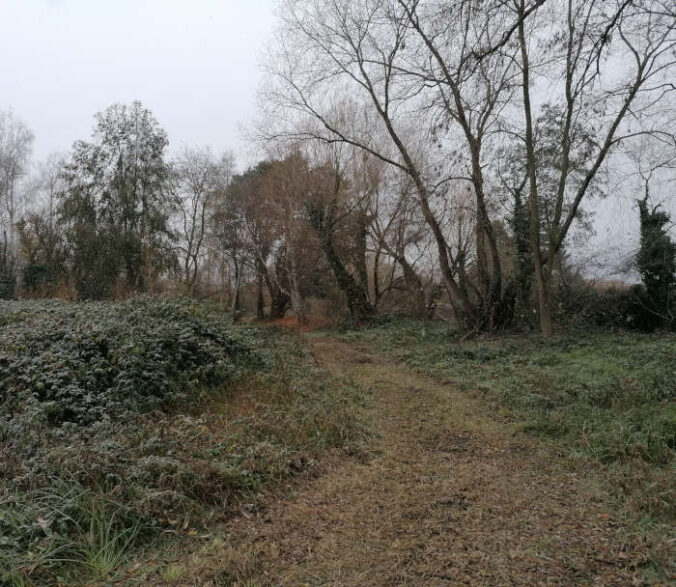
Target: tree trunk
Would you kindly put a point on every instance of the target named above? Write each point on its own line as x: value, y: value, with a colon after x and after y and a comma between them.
x: 541, y: 281
x: 545, y: 304
x: 279, y: 305
x: 415, y: 288
x: 360, y: 257
x: 465, y: 311
x: 235, y: 307
x: 279, y: 300
x: 297, y: 301
x: 260, y: 298
x: 490, y: 270
x: 357, y: 299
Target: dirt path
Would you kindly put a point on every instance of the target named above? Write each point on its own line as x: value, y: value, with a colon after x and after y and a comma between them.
x: 450, y: 496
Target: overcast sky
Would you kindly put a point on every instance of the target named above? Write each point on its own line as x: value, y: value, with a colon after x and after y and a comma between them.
x: 192, y: 62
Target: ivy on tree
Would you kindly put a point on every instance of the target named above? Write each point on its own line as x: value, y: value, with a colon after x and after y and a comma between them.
x: 656, y: 261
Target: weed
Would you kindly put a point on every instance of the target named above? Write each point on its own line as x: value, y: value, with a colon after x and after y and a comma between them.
x: 172, y: 573
x: 107, y: 539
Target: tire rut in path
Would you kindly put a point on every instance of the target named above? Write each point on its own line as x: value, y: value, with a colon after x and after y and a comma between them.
x: 450, y: 496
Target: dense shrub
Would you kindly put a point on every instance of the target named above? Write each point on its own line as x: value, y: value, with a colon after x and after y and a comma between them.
x: 66, y: 363
x: 587, y: 306
x: 37, y: 276
x: 614, y: 308
x: 656, y: 261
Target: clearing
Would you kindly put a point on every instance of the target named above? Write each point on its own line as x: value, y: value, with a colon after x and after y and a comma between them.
x: 447, y: 493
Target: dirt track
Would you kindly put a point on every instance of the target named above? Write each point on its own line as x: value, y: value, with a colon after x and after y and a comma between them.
x: 447, y: 496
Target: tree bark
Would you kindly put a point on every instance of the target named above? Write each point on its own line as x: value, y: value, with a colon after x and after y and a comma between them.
x: 415, y: 288
x: 235, y: 307
x: 260, y: 298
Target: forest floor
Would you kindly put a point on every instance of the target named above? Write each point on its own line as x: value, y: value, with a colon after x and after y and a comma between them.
x: 448, y: 492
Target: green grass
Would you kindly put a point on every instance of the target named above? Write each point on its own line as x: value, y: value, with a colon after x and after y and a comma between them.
x: 63, y: 530
x: 609, y: 397
x: 90, y: 494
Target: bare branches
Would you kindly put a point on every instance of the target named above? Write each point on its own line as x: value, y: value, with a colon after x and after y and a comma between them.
x: 435, y: 90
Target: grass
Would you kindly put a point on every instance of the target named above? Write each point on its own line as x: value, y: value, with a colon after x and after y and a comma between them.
x: 107, y: 541
x: 133, y: 495
x: 56, y: 529
x: 608, y: 397
x: 447, y: 494
x: 91, y: 496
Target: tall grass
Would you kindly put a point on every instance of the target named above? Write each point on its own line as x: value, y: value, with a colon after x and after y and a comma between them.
x: 64, y: 530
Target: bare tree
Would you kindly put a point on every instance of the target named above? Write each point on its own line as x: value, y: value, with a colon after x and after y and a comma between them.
x: 350, y: 46
x: 462, y: 51
x: 229, y: 244
x: 15, y: 149
x: 598, y: 92
x: 398, y: 233
x: 198, y: 178
x: 43, y: 247
x: 437, y: 88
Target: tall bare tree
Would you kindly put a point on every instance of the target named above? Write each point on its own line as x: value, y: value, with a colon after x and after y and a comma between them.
x: 43, y: 246
x: 16, y: 142
x: 613, y: 62
x: 436, y: 88
x: 461, y: 49
x: 198, y: 178
x: 353, y: 48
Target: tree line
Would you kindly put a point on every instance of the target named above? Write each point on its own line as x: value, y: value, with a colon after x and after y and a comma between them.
x: 420, y: 156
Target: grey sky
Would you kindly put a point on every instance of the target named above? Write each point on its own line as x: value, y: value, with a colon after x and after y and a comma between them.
x: 194, y: 63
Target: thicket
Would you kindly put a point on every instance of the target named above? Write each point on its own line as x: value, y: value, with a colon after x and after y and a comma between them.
x: 644, y: 307
x: 72, y: 365
x: 656, y: 262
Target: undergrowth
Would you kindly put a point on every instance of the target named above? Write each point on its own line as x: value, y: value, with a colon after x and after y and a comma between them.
x: 121, y: 423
